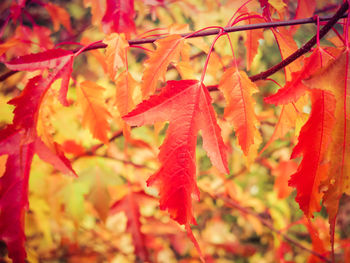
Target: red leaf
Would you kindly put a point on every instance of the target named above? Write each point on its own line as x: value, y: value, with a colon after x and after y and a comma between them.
x: 186, y: 105
x: 129, y: 204
x: 119, y: 17
x: 14, y: 191
x: 27, y: 105
x: 43, y: 60
x: 313, y: 142
x: 305, y: 9
x: 334, y: 78
x: 295, y: 88
x: 54, y: 156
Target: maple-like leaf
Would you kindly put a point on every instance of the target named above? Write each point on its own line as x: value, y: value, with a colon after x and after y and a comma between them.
x: 186, y: 105
x: 168, y: 50
x: 115, y: 53
x: 334, y: 78
x: 313, y: 143
x: 95, y: 112
x: 238, y: 90
x: 28, y: 102
x: 129, y: 204
x: 119, y: 17
x: 295, y: 88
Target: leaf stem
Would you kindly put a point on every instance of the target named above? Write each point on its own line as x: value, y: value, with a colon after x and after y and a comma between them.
x: 306, y: 47
x: 331, y: 22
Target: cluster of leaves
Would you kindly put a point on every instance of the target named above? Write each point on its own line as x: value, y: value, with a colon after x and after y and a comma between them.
x: 79, y: 93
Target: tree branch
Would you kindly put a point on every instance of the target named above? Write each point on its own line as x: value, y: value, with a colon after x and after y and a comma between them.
x: 306, y: 47
x: 332, y: 20
x: 248, y: 211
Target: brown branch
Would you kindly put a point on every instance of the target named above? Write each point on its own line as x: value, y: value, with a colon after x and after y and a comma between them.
x: 332, y: 20
x: 306, y: 47
x: 266, y: 223
x: 93, y: 149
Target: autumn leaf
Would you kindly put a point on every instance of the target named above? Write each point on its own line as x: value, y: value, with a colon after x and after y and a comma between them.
x: 43, y: 60
x: 295, y: 88
x: 14, y: 191
x: 53, y: 154
x: 98, y: 8
x: 334, y: 78
x: 252, y: 40
x: 129, y: 204
x: 115, y: 53
x: 305, y: 9
x: 95, y: 112
x: 186, y: 105
x: 287, y: 46
x: 168, y: 50
x: 238, y: 90
x: 119, y: 17
x: 10, y: 43
x: 60, y: 60
x: 59, y: 16
x: 282, y: 173
x: 313, y: 143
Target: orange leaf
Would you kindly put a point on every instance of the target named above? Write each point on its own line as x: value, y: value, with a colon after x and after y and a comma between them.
x: 125, y: 86
x: 287, y: 46
x: 252, y: 41
x: 98, y: 8
x: 282, y: 172
x: 115, y: 53
x: 238, y: 90
x: 59, y: 16
x: 168, y: 50
x: 95, y: 113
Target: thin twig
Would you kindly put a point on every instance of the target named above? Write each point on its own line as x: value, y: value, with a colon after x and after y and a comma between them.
x: 209, y: 32
x: 266, y: 223
x: 93, y: 149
